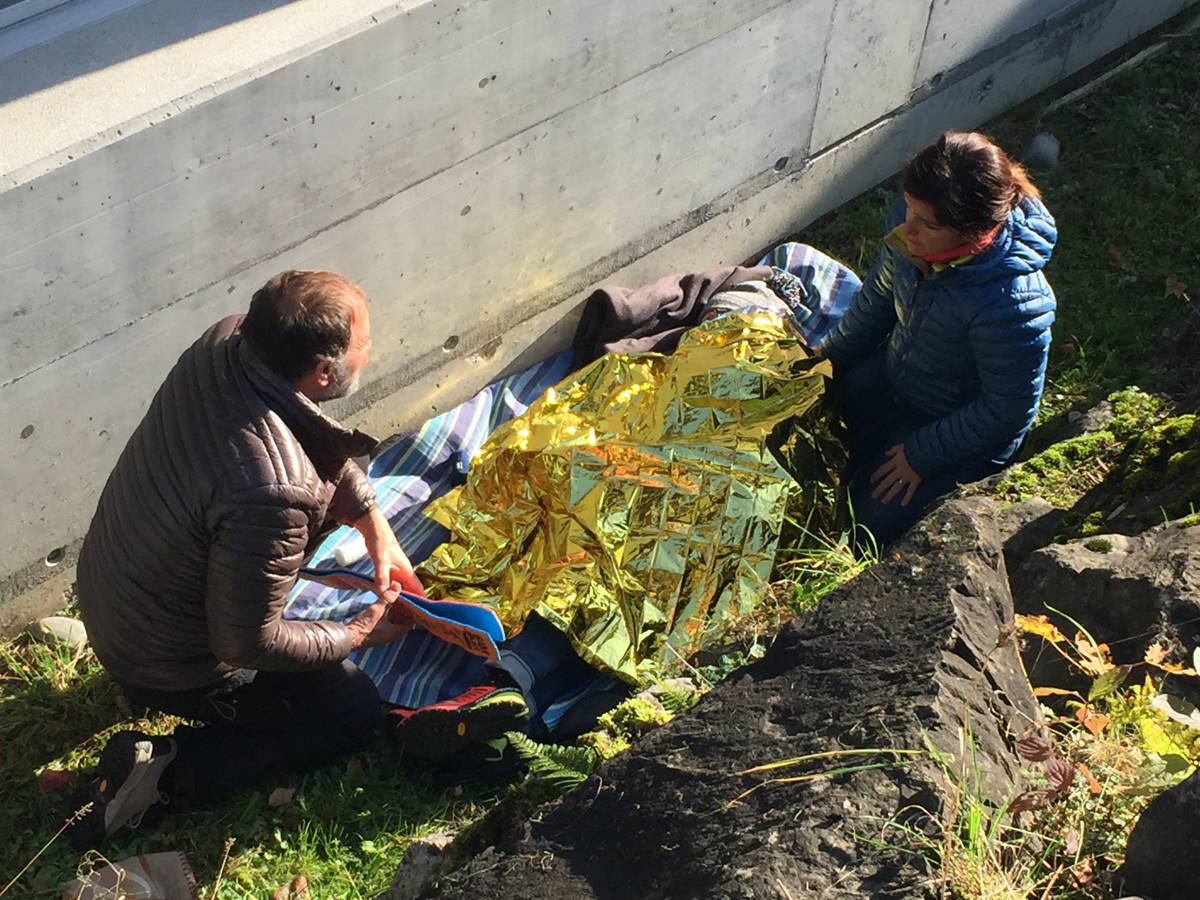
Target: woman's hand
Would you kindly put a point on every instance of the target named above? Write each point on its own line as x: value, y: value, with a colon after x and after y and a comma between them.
x: 393, y: 571
x: 895, y: 478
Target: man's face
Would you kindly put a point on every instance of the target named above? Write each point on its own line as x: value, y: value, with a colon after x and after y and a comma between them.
x: 345, y: 372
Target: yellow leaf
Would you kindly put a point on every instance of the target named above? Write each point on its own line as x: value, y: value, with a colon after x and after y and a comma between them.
x: 1156, y: 655
x: 1041, y: 626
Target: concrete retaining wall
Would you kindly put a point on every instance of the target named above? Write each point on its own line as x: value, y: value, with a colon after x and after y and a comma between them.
x: 475, y: 166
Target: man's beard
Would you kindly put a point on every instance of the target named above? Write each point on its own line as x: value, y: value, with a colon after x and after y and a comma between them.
x: 341, y: 382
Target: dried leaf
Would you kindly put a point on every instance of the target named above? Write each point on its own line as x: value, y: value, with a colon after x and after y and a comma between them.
x: 1156, y: 654
x: 1092, y: 783
x: 1053, y: 692
x: 1175, y: 288
x: 1041, y: 626
x: 1093, y: 658
x: 1096, y: 723
x: 1068, y: 349
x: 299, y: 887
x: 1114, y: 254
x: 280, y: 893
x: 281, y: 797
x: 1060, y: 774
x: 1033, y: 749
x: 1071, y: 841
x: 355, y: 768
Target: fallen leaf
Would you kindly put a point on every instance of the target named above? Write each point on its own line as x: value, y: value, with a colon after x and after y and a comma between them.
x: 1068, y: 349
x: 1053, y: 692
x: 1041, y: 626
x: 1071, y: 841
x: 299, y: 887
x: 1093, y: 657
x: 1175, y: 288
x: 1155, y: 654
x: 280, y: 893
x: 1096, y: 723
x: 1114, y: 254
x: 281, y: 797
x: 1093, y: 784
x: 355, y: 768
x: 53, y: 779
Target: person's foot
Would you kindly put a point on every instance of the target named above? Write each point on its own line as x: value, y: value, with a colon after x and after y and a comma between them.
x: 481, y: 713
x: 487, y: 762
x: 126, y: 787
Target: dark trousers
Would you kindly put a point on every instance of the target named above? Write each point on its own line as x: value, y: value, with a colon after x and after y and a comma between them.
x: 876, y: 420
x: 257, y: 721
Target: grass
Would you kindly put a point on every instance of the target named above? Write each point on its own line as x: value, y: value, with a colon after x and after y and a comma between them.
x: 344, y: 829
x: 1127, y: 199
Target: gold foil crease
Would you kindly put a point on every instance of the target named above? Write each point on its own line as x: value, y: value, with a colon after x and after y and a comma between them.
x: 635, y: 503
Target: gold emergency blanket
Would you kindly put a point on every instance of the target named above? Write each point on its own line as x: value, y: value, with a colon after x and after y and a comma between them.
x: 634, y: 504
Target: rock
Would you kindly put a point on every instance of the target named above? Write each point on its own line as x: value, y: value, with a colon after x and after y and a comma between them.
x: 1160, y: 859
x: 1127, y: 592
x: 1026, y: 526
x: 891, y: 660
x: 418, y: 868
x: 1041, y: 152
x: 59, y: 630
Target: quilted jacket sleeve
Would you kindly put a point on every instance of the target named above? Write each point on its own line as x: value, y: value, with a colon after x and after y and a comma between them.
x: 353, y: 497
x: 254, y: 557
x: 872, y: 313
x: 1010, y: 343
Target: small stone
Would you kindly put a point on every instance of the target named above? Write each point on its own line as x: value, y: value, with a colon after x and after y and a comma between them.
x: 1074, y: 416
x: 59, y: 630
x: 418, y: 868
x: 1042, y: 151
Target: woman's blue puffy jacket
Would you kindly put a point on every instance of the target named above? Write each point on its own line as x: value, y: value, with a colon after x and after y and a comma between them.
x: 966, y: 346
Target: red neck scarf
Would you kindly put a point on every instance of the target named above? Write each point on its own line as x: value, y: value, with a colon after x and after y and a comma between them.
x: 968, y: 249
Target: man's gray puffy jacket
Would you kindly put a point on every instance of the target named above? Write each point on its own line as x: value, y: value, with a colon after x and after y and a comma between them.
x: 966, y: 346
x: 205, y: 521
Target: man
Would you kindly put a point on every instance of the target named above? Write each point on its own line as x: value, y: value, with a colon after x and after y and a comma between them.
x: 198, y: 538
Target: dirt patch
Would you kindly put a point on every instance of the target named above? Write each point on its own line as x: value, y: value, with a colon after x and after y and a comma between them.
x: 916, y: 649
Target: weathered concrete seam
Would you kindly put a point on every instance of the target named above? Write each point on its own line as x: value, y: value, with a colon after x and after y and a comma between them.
x: 375, y: 204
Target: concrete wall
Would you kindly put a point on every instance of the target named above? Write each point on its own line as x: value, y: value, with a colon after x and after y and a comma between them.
x: 474, y: 165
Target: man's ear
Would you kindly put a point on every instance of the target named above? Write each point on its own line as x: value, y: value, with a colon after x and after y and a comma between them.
x: 322, y: 372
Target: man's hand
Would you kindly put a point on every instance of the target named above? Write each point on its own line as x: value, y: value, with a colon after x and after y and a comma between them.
x: 895, y: 478
x: 393, y: 571
x: 378, y: 624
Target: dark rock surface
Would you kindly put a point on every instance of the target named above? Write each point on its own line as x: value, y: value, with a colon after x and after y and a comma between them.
x: 917, y: 649
x: 1162, y: 859
x: 1128, y: 592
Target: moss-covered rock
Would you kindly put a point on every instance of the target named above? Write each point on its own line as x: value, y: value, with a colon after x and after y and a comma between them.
x: 1066, y: 471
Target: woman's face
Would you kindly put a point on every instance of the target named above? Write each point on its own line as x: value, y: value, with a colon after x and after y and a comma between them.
x: 921, y: 230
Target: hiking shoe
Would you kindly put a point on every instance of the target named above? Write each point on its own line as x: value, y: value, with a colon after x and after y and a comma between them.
x: 127, y: 786
x: 484, y: 762
x: 482, y: 713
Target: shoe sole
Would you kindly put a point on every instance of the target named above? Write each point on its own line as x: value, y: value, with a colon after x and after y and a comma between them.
x: 117, y: 763
x: 438, y: 733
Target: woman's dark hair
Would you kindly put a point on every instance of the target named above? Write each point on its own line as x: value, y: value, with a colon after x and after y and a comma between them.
x: 300, y: 317
x: 970, y: 182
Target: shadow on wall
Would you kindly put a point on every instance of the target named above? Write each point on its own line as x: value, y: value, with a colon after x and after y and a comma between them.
x: 141, y: 29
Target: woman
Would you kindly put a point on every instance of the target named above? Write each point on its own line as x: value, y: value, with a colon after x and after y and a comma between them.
x: 940, y: 358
